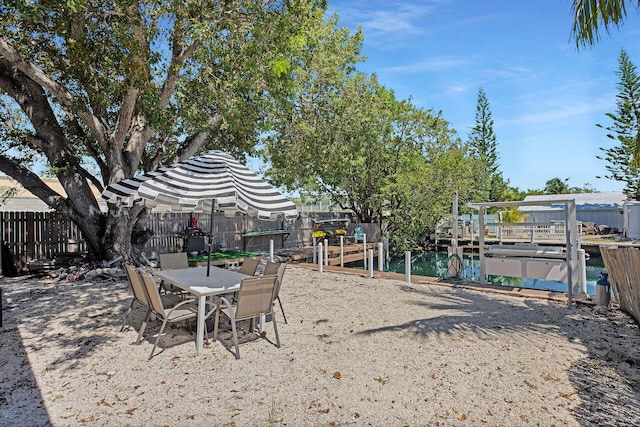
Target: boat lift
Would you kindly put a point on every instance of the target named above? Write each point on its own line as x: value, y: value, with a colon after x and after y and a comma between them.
x: 531, y: 260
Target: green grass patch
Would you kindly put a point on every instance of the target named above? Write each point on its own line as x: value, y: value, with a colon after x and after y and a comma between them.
x: 221, y: 256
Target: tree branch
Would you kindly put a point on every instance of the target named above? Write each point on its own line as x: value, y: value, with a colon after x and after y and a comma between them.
x: 140, y: 75
x: 49, y: 140
x: 13, y: 59
x: 34, y: 184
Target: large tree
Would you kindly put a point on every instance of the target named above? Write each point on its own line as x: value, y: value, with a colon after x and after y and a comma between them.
x: 422, y: 191
x: 557, y: 186
x: 623, y: 158
x: 99, y: 90
x: 484, y: 147
x: 387, y: 160
x: 332, y: 143
x: 561, y: 186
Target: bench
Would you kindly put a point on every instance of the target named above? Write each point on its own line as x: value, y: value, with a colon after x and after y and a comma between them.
x: 246, y: 237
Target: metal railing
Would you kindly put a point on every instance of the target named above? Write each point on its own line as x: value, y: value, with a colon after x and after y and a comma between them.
x: 532, y: 232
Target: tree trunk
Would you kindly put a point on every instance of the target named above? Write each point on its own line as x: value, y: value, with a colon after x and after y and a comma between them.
x: 125, y: 233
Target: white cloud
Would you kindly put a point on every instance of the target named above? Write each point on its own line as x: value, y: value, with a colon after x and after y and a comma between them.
x: 562, y: 109
x: 387, y: 17
x: 434, y: 64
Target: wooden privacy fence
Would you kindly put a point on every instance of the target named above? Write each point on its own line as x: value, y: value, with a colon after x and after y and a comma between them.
x: 623, y: 266
x: 38, y: 235
x: 44, y: 235
x: 170, y: 230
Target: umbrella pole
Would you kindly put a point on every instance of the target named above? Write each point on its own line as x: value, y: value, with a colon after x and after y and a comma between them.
x: 213, y: 202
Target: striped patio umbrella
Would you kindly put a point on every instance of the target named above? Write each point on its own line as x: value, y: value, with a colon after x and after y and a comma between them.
x: 213, y: 180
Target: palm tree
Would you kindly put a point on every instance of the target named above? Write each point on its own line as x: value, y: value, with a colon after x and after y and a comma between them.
x: 592, y: 15
x: 513, y: 214
x: 557, y: 186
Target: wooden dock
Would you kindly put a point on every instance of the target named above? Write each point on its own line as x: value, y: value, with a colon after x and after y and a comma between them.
x: 352, y: 252
x: 591, y: 245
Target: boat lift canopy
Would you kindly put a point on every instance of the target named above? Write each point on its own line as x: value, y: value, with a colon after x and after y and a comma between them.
x: 536, y: 262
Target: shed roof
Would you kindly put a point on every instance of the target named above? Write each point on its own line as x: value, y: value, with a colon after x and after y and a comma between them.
x: 24, y: 201
x: 584, y: 201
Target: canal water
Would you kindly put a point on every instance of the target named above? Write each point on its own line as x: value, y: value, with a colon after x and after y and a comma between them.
x: 435, y: 264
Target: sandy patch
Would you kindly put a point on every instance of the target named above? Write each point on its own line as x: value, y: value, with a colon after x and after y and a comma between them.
x: 356, y: 351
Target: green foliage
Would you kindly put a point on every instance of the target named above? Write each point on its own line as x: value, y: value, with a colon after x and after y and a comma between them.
x: 556, y: 186
x: 391, y: 163
x: 623, y: 157
x: 106, y: 89
x: 559, y: 186
x: 423, y: 193
x: 483, y: 145
x: 196, y: 67
x: 280, y: 67
x: 591, y: 15
x: 512, y: 215
x: 482, y: 139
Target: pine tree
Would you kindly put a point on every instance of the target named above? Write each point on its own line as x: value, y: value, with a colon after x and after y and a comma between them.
x: 624, y: 157
x: 483, y: 145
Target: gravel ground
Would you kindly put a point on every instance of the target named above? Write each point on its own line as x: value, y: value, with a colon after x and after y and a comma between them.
x: 356, y: 351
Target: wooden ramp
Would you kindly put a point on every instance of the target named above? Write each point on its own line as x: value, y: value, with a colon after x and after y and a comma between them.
x: 352, y: 253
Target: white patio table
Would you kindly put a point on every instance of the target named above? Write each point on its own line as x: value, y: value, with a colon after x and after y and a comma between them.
x: 195, y: 281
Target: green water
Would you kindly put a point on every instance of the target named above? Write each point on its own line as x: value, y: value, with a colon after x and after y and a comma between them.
x: 434, y: 264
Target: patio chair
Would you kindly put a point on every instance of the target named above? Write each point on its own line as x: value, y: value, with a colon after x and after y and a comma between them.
x: 255, y: 298
x: 140, y: 295
x: 183, y: 311
x: 173, y: 261
x: 249, y: 266
x: 277, y: 269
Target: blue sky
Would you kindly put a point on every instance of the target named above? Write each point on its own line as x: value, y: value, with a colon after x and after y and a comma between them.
x: 545, y: 95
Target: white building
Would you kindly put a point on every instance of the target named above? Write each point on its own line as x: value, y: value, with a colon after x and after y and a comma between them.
x: 606, y: 208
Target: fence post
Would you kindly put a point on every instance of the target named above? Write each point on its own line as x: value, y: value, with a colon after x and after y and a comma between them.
x: 320, y: 257
x: 30, y: 238
x: 380, y: 257
x: 582, y: 265
x: 364, y: 242
x: 326, y: 252
x: 271, y: 250
x: 407, y: 266
x: 370, y: 263
x: 341, y: 251
x: 315, y: 252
